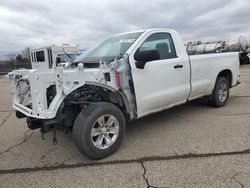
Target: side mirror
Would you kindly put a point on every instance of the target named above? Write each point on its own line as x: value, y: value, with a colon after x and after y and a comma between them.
x: 142, y: 57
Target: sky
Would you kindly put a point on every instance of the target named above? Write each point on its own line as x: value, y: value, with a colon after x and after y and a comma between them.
x: 27, y: 23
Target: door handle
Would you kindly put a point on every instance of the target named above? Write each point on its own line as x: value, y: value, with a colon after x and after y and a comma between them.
x: 178, y: 66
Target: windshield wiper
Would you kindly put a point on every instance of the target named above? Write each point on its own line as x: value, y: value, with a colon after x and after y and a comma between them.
x: 67, y: 55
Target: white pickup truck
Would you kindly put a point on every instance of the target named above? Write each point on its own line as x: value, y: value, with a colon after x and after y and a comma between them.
x: 123, y: 78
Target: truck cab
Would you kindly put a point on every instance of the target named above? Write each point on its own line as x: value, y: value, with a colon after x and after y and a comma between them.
x: 49, y: 57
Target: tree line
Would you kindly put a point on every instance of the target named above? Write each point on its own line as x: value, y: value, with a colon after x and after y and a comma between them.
x: 17, y: 60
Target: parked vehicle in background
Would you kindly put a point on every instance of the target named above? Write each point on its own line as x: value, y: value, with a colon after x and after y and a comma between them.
x: 49, y: 57
x: 238, y: 44
x: 125, y: 77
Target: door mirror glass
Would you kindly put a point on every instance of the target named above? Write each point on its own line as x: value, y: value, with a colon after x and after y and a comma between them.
x: 142, y: 57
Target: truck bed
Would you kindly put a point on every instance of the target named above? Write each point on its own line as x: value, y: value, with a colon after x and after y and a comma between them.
x: 204, y: 69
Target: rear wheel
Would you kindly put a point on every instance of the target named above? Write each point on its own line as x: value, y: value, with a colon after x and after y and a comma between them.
x: 244, y: 59
x: 99, y: 129
x: 220, y: 93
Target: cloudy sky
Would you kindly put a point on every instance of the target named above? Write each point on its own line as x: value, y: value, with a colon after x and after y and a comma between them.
x: 30, y: 23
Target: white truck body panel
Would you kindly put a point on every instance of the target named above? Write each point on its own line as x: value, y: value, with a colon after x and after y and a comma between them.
x: 205, y: 69
x: 159, y: 86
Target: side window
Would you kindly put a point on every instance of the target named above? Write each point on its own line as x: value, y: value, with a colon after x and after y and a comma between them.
x: 40, y: 56
x: 162, y: 42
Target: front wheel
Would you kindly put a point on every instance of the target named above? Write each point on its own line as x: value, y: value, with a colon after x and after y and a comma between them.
x: 220, y: 93
x: 99, y: 129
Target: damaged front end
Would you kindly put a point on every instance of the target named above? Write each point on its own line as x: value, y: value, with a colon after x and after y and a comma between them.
x: 52, y: 99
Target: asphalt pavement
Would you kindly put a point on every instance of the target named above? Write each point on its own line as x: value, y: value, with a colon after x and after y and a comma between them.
x: 192, y: 145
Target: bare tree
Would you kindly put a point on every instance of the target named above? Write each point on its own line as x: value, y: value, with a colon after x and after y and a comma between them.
x: 18, y: 60
x: 11, y: 59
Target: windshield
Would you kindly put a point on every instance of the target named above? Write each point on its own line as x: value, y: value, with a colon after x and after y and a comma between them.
x: 115, y: 46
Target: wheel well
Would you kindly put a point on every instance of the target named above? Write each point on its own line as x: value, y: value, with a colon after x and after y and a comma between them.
x: 83, y: 96
x: 95, y: 93
x: 227, y: 74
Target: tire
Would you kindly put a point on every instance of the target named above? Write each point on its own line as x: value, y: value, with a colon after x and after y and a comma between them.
x: 220, y: 93
x: 91, y: 133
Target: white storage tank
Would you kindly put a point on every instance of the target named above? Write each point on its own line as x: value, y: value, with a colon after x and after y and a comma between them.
x: 237, y: 44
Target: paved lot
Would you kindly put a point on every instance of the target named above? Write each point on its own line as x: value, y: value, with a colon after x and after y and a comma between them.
x: 192, y: 145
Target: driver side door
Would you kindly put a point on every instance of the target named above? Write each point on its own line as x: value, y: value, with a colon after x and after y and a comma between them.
x: 161, y: 83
